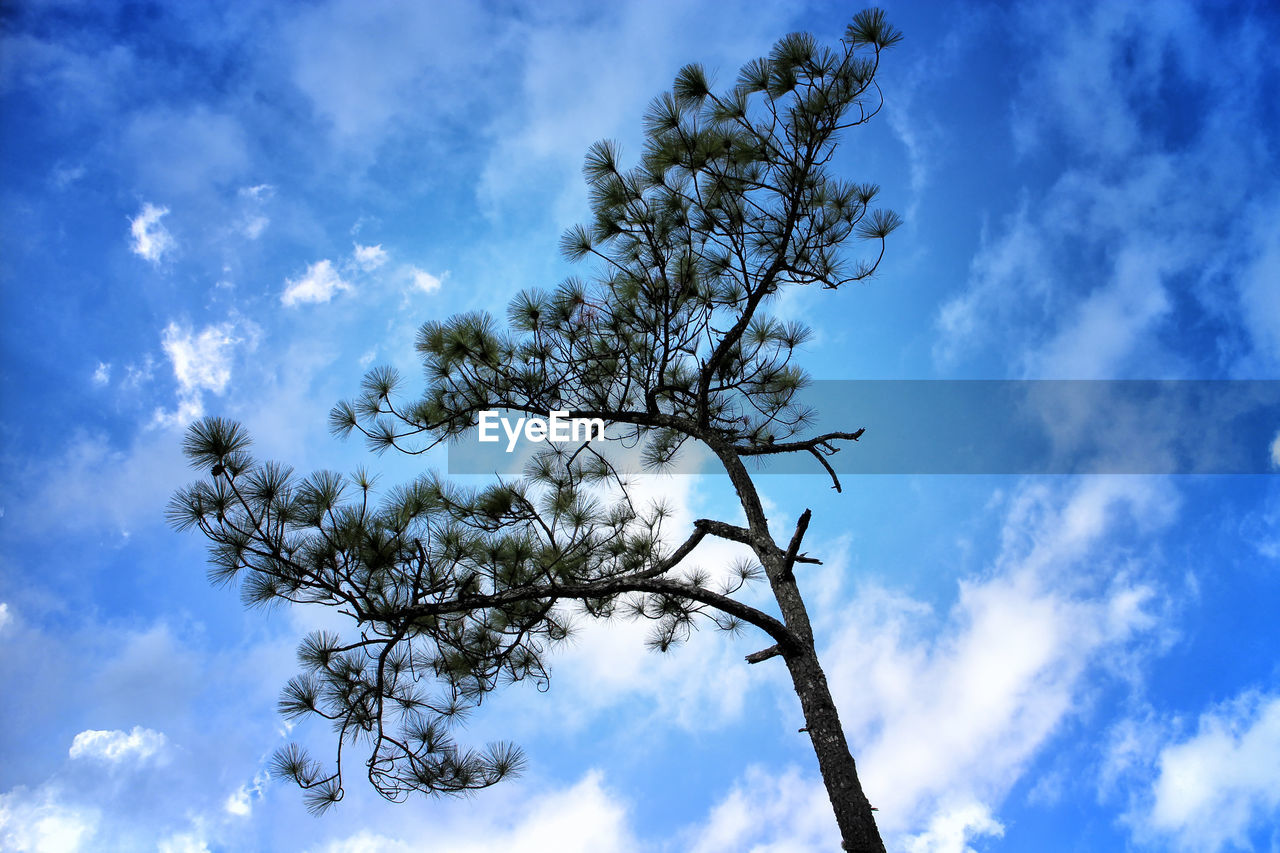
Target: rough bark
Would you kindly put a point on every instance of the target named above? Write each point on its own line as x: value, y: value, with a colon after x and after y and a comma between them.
x: 853, y: 812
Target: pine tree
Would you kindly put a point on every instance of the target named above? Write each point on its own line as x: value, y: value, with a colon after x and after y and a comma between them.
x: 668, y: 342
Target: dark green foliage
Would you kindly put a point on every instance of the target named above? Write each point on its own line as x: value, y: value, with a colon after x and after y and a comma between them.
x: 455, y: 584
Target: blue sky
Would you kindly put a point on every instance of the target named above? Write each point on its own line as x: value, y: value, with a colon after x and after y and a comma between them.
x: 236, y: 208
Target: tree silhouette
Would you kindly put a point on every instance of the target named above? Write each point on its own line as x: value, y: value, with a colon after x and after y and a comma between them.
x: 668, y: 342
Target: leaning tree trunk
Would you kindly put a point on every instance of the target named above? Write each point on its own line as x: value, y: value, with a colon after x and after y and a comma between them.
x: 854, y: 814
x: 839, y: 773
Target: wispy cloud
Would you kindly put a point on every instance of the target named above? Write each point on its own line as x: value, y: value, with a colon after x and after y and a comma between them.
x: 102, y: 373
x: 369, y: 258
x: 184, y: 150
x: 766, y: 811
x: 924, y: 140
x: 151, y: 240
x: 1258, y: 295
x: 952, y: 720
x: 241, y: 800
x: 64, y: 175
x: 1095, y: 275
x: 317, y: 285
x: 253, y: 222
x: 258, y: 192
x: 632, y: 50
x: 184, y: 842
x: 370, y: 70
x: 1212, y: 789
x: 138, y: 477
x: 40, y: 821
x: 201, y: 362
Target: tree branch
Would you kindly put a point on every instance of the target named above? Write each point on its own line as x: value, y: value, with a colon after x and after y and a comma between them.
x: 764, y: 654
x: 819, y: 441
x: 802, y: 524
x: 723, y: 530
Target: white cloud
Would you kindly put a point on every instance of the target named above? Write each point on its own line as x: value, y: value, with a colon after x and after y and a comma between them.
x: 946, y: 724
x: 766, y: 812
x: 1108, y: 323
x: 213, y: 706
x: 700, y: 686
x: 951, y: 829
x: 5, y: 616
x: 319, y: 284
x: 183, y: 842
x: 425, y: 281
x: 38, y: 822
x: 1130, y: 747
x: 201, y: 362
x: 117, y: 746
x: 944, y: 714
x: 1077, y: 75
x: 1029, y: 296
x: 102, y: 373
x: 1275, y: 451
x: 1013, y: 262
x: 1215, y: 787
x: 369, y: 258
x: 260, y: 192
x: 240, y: 801
x: 151, y: 240
x: 585, y: 818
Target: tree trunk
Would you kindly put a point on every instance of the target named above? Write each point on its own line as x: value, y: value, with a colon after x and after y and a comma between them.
x: 839, y: 772
x: 853, y: 812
